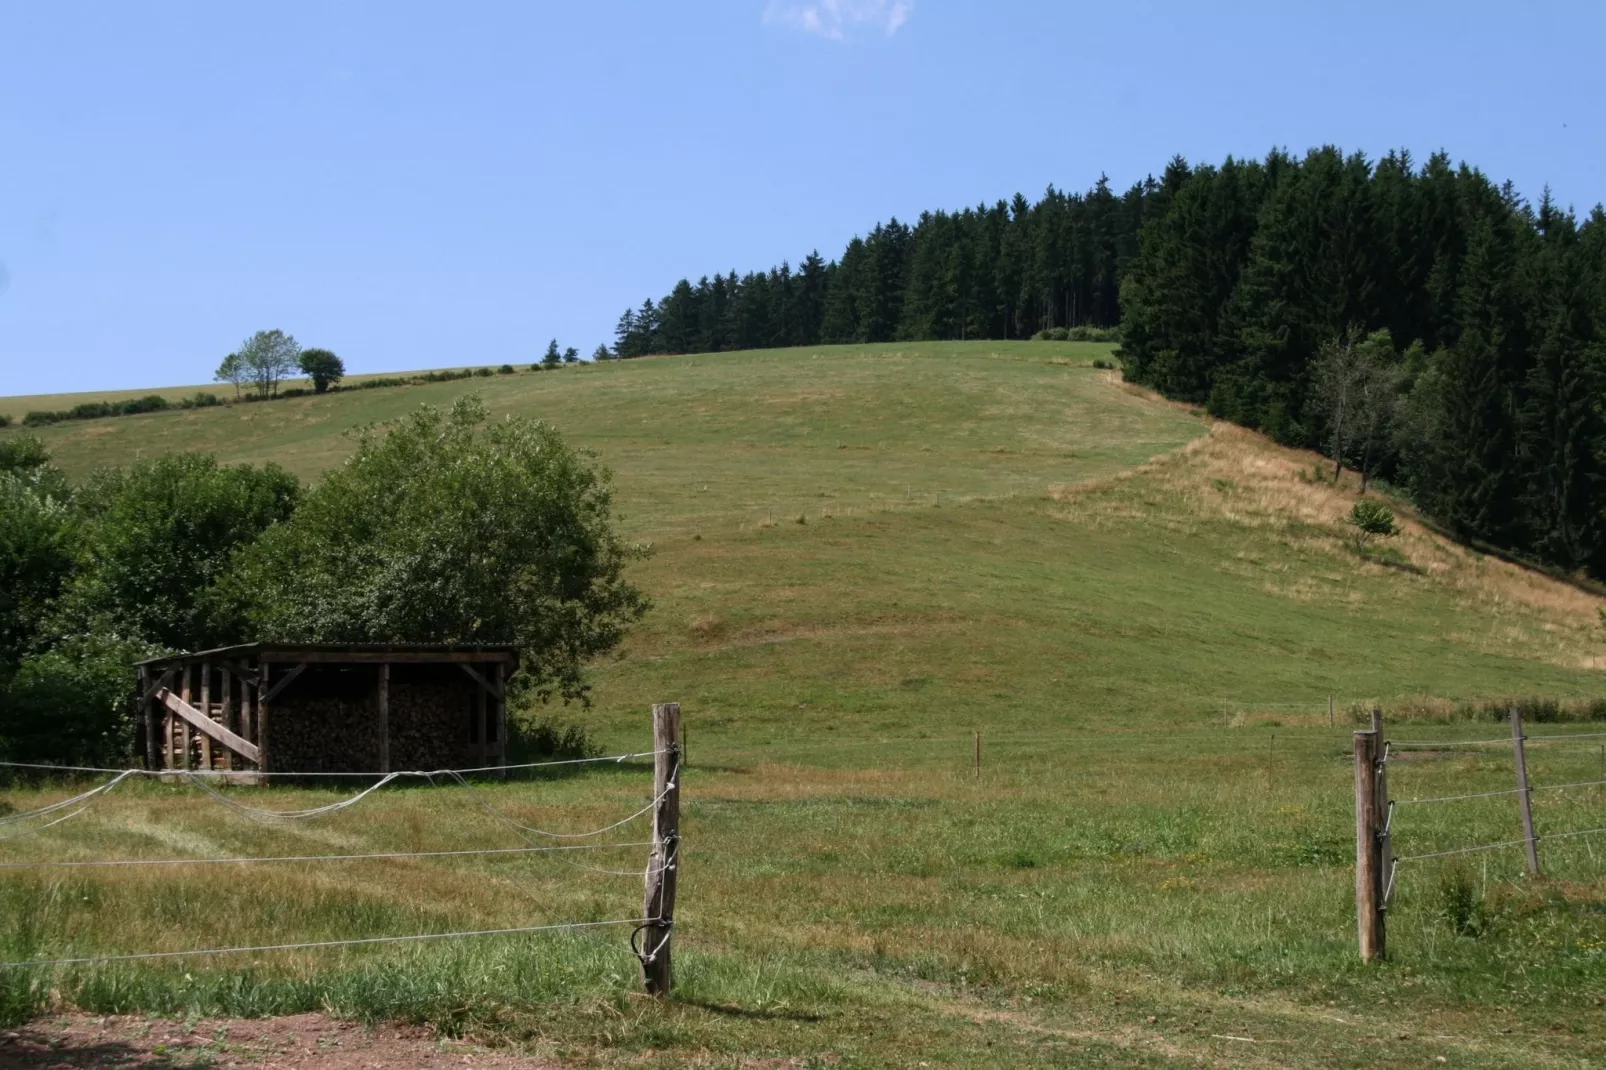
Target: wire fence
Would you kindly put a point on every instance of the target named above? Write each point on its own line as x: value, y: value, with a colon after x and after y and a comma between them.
x: 1417, y: 750
x: 536, y: 842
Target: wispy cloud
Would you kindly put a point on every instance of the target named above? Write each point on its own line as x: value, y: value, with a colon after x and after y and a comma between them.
x: 837, y: 19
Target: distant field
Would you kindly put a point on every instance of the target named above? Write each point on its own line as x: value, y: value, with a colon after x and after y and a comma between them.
x: 17, y: 406
x: 861, y: 556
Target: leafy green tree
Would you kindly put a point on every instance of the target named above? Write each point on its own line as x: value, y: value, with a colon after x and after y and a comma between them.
x: 234, y: 371
x: 38, y: 535
x: 571, y: 355
x: 156, y: 538
x: 322, y: 367
x: 267, y: 358
x: 444, y: 527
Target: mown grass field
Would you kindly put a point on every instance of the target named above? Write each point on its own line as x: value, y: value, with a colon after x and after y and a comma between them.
x: 861, y: 556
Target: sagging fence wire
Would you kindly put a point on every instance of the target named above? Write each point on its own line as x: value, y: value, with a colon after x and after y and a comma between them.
x: 318, y: 944
x: 246, y: 859
x: 664, y: 857
x: 194, y: 778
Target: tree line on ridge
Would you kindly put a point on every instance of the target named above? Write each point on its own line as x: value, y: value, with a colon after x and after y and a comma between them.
x: 1420, y: 323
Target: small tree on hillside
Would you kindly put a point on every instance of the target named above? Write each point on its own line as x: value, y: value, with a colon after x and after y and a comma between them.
x: 232, y: 370
x: 322, y: 367
x: 552, y: 358
x: 571, y: 355
x: 1372, y: 520
x: 268, y: 357
x: 601, y: 353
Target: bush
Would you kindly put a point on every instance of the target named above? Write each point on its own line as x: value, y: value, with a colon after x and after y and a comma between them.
x: 294, y: 392
x: 1051, y: 334
x: 484, y: 372
x: 446, y: 528
x: 1104, y: 365
x: 1371, y: 520
x: 536, y: 368
x: 533, y: 738
x: 506, y: 369
x: 41, y: 418
x: 200, y: 400
x: 74, y: 705
x: 5, y: 420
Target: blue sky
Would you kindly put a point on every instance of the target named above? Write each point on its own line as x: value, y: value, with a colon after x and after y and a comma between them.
x: 424, y: 185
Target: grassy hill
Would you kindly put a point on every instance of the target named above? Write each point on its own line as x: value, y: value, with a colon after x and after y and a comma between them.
x: 863, y: 555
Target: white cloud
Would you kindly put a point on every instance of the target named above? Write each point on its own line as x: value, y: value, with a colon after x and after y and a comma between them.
x: 836, y: 19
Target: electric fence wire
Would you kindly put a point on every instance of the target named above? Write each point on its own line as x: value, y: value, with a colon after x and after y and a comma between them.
x: 1497, y: 846
x: 260, y: 813
x: 244, y: 859
x: 1458, y: 798
x: 618, y: 758
x: 415, y: 937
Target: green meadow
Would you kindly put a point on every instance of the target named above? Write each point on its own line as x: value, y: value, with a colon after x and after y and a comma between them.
x: 861, y: 558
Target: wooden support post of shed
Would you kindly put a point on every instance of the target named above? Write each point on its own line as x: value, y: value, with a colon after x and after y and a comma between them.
x: 500, y: 698
x: 384, y: 717
x: 206, y: 711
x: 1525, y: 796
x: 147, y: 720
x: 248, y: 720
x: 184, y: 727
x: 228, y: 714
x: 1369, y: 875
x: 663, y: 864
x: 264, y: 760
x: 481, y: 719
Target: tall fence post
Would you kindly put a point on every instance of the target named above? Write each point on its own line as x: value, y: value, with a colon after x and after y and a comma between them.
x: 1368, y: 848
x: 663, y: 864
x: 1524, y: 793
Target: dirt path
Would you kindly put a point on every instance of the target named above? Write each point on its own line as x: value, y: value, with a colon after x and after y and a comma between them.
x: 304, y: 1040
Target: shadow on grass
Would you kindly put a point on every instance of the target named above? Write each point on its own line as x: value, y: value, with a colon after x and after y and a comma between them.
x: 35, y: 1048
x: 728, y: 1010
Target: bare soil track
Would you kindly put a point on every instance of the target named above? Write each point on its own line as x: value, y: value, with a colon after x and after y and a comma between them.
x: 303, y: 1040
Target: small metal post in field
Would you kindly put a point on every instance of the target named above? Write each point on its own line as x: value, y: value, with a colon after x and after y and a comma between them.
x: 1524, y: 793
x: 663, y: 863
x: 1368, y: 853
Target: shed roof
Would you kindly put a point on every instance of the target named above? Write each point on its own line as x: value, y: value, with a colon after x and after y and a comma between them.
x: 345, y: 653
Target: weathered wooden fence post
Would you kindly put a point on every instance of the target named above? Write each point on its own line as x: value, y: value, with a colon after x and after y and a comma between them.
x: 1525, y: 795
x: 1368, y: 848
x: 663, y: 863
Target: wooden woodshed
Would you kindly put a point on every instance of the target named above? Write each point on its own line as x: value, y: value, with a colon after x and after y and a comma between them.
x: 327, y: 708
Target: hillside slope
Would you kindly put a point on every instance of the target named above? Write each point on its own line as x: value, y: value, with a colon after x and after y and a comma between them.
x: 846, y: 537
